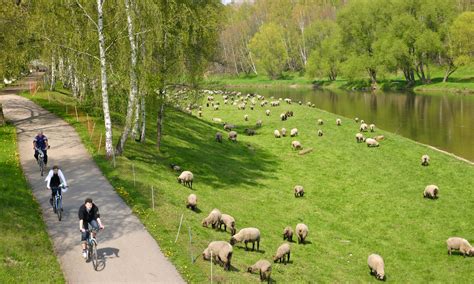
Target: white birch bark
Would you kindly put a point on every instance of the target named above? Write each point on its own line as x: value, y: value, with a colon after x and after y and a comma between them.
x: 53, y: 73
x: 143, y: 114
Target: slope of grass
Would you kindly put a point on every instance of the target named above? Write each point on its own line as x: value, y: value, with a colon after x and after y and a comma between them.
x: 357, y: 201
x: 26, y: 252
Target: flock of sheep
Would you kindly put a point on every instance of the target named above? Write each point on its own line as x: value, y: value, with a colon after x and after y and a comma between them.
x: 221, y: 251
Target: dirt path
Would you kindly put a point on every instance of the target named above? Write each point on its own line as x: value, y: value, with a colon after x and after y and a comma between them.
x: 128, y: 252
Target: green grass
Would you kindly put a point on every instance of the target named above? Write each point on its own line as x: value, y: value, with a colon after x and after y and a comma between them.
x: 357, y: 201
x: 26, y: 252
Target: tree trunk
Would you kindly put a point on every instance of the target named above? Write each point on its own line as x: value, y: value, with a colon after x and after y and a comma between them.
x: 159, y: 123
x: 143, y: 112
x: 449, y: 70
x: 61, y: 69
x: 103, y: 72
x: 75, y: 83
x: 133, y: 81
x: 53, y: 73
x: 136, y: 119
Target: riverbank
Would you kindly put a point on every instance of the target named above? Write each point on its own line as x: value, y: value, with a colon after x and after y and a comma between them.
x: 26, y: 251
x: 357, y: 201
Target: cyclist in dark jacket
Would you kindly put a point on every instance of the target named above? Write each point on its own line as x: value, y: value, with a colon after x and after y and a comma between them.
x: 88, y: 214
x: 41, y: 142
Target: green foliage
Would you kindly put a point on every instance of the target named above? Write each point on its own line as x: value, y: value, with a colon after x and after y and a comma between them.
x: 462, y: 33
x: 326, y: 59
x: 269, y: 49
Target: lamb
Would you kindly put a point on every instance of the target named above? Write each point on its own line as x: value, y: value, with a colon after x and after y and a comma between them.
x: 283, y: 132
x: 276, y: 133
x: 302, y: 232
x: 431, y: 191
x: 227, y: 221
x: 175, y: 167
x: 320, y: 121
x: 372, y: 127
x: 320, y: 132
x: 371, y: 142
x: 267, y: 112
x: 258, y: 124
x: 233, y: 136
x: 221, y: 252
x: 247, y: 235
x: 360, y: 137
x: 282, y: 253
x: 288, y: 234
x: 249, y: 131
x: 296, y: 145
x: 456, y: 243
x: 293, y: 132
x: 338, y: 122
x: 212, y: 219
x: 425, y: 160
x: 186, y: 178
x: 191, y: 202
x: 363, y: 127
x: 299, y: 190
x: 219, y: 137
x: 376, y: 266
x: 263, y: 267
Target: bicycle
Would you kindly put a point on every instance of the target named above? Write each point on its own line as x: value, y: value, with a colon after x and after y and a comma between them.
x: 58, y: 201
x: 92, y: 248
x: 40, y: 159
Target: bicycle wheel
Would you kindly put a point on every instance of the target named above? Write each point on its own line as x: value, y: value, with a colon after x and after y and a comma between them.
x: 94, y: 255
x: 59, y: 208
x: 41, y: 165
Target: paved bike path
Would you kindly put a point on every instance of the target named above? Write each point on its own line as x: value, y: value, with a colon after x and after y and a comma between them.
x: 128, y: 252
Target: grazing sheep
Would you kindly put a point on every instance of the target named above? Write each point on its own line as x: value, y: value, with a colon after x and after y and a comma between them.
x: 282, y: 254
x: 212, y: 219
x: 175, y: 167
x: 263, y: 267
x: 289, y: 113
x: 283, y: 132
x: 219, y: 137
x: 302, y: 232
x: 313, y: 105
x: 283, y: 117
x: 247, y: 235
x: 221, y: 252
x: 276, y: 133
x: 288, y: 234
x: 200, y: 113
x: 300, y: 102
x: 267, y: 112
x: 296, y: 145
x: 249, y: 131
x: 186, y: 178
x: 431, y: 191
x: 425, y: 160
x: 233, y: 136
x: 456, y: 243
x: 207, y: 104
x: 362, y: 121
x: 372, y: 127
x: 227, y: 221
x: 258, y: 124
x: 216, y: 119
x: 216, y: 107
x: 320, y: 132
x: 338, y: 122
x: 356, y: 119
x: 293, y: 132
x: 363, y: 127
x: 246, y: 117
x: 376, y: 266
x: 191, y: 202
x: 371, y: 142
x: 379, y: 137
x: 228, y: 127
x: 299, y: 190
x: 360, y: 137
x: 320, y: 122
x: 308, y: 104
x: 251, y: 107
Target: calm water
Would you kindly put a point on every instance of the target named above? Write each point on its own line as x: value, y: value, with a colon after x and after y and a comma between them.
x: 443, y: 121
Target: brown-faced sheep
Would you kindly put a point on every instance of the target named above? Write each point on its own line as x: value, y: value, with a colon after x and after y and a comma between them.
x: 320, y: 132
x: 249, y: 131
x: 219, y: 137
x: 258, y: 124
x: 425, y: 160
x: 247, y: 235
x: 299, y: 190
x: 221, y: 253
x: 283, y: 132
x: 363, y: 127
x: 360, y: 137
x: 283, y: 117
x: 282, y: 254
x: 227, y: 221
x: 372, y: 127
x: 191, y: 202
x: 431, y: 191
x: 267, y: 112
x: 186, y: 178
x: 288, y: 234
x: 233, y: 136
x: 371, y: 142
x: 276, y: 133
x: 216, y: 107
x: 293, y: 132
x: 296, y: 145
x: 301, y: 232
x: 320, y: 122
x: 200, y: 113
x: 456, y: 243
x: 212, y: 219
x: 263, y: 267
x: 376, y: 266
x: 338, y: 122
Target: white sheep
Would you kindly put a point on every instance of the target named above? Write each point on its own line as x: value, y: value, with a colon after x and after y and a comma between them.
x: 276, y: 133
x: 227, y: 221
x: 293, y: 132
x: 299, y: 190
x: 221, y: 253
x: 216, y: 107
x: 186, y: 178
x: 200, y: 113
x: 456, y: 243
x: 259, y: 123
x: 246, y: 117
x: 216, y: 119
x: 288, y: 234
x: 431, y: 191
x: 320, y: 132
x: 296, y: 145
x: 302, y: 232
x: 233, y: 136
x: 191, y: 201
x: 263, y: 267
x: 247, y: 235
x: 379, y: 137
x: 425, y: 160
x: 320, y: 122
x: 282, y: 254
x: 338, y: 122
x: 376, y: 266
x: 363, y: 127
x: 372, y: 127
x: 360, y: 137
x: 356, y: 119
x: 212, y: 219
x: 283, y: 132
x: 267, y: 112
x: 371, y: 142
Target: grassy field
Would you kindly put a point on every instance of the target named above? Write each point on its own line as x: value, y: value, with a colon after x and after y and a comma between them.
x: 358, y: 200
x: 25, y: 249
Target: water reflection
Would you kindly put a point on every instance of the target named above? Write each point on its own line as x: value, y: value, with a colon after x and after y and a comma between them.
x: 443, y: 121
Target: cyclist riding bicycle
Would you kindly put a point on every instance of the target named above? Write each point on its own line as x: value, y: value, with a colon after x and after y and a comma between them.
x: 41, y: 142
x: 54, y: 179
x: 88, y: 214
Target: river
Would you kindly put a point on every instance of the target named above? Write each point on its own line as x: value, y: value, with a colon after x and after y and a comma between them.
x: 440, y: 120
